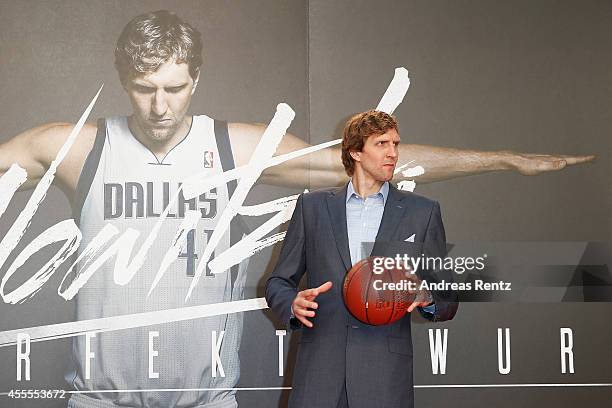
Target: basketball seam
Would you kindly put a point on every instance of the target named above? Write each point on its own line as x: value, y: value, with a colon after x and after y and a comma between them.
x: 347, y: 284
x: 392, y: 310
x: 367, y: 294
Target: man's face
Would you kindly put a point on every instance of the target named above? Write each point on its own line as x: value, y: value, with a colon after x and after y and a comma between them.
x: 161, y: 99
x: 379, y: 156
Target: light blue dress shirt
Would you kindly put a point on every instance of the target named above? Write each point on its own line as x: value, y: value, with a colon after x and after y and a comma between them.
x: 363, y: 217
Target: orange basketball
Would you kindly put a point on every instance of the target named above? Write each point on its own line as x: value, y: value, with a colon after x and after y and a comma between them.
x: 368, y: 298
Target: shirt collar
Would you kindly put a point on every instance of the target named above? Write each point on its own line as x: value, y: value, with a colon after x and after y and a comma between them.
x: 383, y: 192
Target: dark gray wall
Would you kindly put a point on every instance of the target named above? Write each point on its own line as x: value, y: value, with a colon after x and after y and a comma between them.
x: 526, y: 76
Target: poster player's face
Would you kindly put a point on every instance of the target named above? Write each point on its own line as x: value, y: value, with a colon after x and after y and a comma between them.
x: 160, y: 100
x: 379, y: 156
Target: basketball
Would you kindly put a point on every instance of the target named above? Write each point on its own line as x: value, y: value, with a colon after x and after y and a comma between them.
x: 368, y: 296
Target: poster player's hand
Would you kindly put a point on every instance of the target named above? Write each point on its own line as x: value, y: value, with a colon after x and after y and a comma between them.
x: 532, y: 164
x: 304, y: 302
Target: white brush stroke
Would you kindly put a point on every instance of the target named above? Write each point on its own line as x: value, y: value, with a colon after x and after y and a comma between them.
x: 54, y: 234
x: 124, y: 268
x: 189, y: 223
x: 267, y: 208
x: 395, y: 92
x: 9, y: 183
x: 422, y: 386
x: 62, y: 231
x: 250, y: 244
x: 106, y: 324
x: 194, y: 186
x: 403, y: 166
x: 413, y: 171
x: 393, y: 96
x: 88, y: 261
x: 406, y: 185
x: 265, y: 149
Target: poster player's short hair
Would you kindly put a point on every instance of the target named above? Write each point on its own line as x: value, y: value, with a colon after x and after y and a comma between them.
x: 358, y: 128
x: 151, y: 39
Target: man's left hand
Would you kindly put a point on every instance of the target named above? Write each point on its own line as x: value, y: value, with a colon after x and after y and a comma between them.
x: 414, y: 305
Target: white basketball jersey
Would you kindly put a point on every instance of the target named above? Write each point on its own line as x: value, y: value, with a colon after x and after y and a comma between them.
x: 130, y: 189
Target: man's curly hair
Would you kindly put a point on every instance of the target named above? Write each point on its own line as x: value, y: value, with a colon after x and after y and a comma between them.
x: 151, y: 39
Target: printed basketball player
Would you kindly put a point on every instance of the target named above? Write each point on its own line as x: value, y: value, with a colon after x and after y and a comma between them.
x: 122, y: 170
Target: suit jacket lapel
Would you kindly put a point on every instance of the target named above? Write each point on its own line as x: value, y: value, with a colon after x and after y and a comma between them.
x: 394, y: 212
x: 336, y: 205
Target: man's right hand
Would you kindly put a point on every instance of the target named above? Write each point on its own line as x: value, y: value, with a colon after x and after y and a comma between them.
x: 304, y: 302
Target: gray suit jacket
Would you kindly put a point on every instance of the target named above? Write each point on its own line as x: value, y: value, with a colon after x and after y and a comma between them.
x: 375, y: 362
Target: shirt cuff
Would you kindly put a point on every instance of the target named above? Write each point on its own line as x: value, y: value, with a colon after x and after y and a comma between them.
x: 430, y: 309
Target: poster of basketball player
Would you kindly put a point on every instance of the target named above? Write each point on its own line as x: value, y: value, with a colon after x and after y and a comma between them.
x: 152, y: 153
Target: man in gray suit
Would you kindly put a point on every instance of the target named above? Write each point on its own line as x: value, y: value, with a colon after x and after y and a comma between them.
x: 342, y: 362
